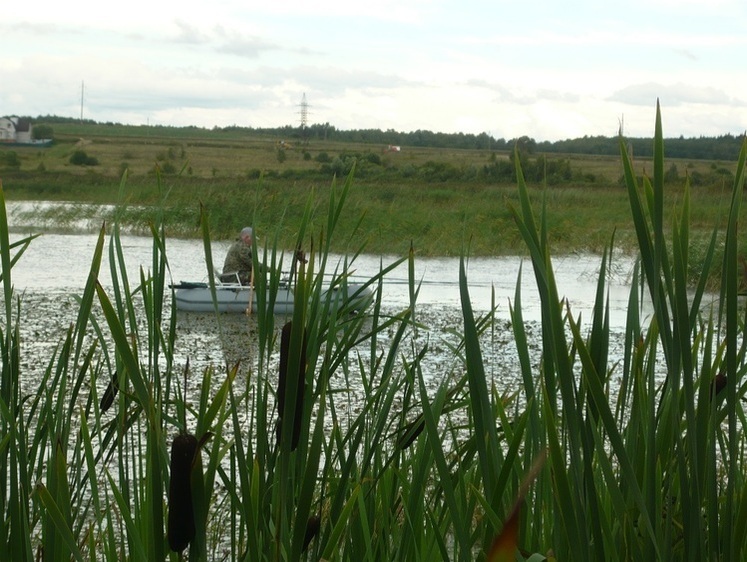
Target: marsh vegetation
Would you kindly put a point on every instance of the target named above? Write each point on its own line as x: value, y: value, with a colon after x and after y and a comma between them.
x: 443, y: 200
x: 565, y: 468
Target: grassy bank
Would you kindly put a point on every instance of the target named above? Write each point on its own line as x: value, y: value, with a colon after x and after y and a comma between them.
x: 440, y: 200
x: 437, y: 219
x: 124, y: 453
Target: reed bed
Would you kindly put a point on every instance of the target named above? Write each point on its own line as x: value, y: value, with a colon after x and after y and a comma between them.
x: 123, y: 453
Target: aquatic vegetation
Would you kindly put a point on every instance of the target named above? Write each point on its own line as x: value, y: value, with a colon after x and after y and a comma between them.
x: 594, y: 458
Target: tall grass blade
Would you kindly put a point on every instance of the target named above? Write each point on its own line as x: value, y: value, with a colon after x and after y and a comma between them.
x: 488, y: 448
x: 734, y: 545
x: 61, y: 525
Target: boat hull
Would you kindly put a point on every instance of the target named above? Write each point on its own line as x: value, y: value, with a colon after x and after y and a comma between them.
x: 196, y: 297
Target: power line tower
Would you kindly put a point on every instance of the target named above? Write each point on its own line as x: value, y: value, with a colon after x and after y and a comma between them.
x: 304, y: 112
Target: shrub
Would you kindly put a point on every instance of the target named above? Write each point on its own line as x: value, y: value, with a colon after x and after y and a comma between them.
x: 10, y: 159
x: 372, y: 157
x: 672, y: 175
x: 439, y: 171
x: 80, y: 158
x: 164, y: 168
x: 409, y: 171
x: 168, y: 168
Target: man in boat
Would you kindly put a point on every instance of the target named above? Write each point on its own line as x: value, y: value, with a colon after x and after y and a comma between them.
x: 238, y: 263
x: 237, y: 266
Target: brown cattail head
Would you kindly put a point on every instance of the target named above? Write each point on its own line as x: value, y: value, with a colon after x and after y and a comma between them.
x: 297, y: 414
x: 110, y: 393
x: 181, y: 522
x: 312, y: 530
x: 717, y: 385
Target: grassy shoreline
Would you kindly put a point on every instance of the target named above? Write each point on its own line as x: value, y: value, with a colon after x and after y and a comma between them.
x: 439, y: 220
x: 443, y: 202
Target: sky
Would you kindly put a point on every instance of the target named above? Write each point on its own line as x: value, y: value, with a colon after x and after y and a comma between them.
x: 547, y: 69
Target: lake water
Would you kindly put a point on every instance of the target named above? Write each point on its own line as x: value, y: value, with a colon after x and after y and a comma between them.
x: 55, y: 267
x: 60, y: 263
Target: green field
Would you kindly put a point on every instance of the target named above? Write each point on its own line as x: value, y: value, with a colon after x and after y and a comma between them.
x: 440, y: 200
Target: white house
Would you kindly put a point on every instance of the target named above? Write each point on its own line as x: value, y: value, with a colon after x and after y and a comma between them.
x: 15, y: 129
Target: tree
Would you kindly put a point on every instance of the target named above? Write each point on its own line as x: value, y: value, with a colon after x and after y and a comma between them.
x: 39, y: 132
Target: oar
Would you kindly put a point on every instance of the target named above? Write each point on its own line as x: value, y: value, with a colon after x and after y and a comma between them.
x: 251, y: 293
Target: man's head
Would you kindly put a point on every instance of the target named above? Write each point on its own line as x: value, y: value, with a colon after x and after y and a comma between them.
x: 246, y: 235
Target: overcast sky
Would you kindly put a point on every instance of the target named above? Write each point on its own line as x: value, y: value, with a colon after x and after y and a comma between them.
x: 550, y: 69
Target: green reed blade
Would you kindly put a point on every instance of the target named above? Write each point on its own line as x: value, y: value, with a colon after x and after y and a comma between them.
x: 336, y: 205
x: 59, y: 490
x: 599, y: 338
x: 340, y: 523
x: 60, y: 524
x: 122, y: 291
x: 729, y: 298
x: 208, y: 414
x: 252, y: 485
x: 703, y: 278
x: 133, y: 533
x: 90, y: 462
x: 23, y: 244
x: 488, y: 447
x: 592, y: 382
x: 648, y: 244
x: 5, y: 268
x: 658, y: 183
x: 458, y: 521
x: 15, y: 505
x: 564, y: 497
x: 211, y: 271
x: 126, y: 353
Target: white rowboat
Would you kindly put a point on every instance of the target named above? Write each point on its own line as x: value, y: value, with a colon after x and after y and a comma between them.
x: 233, y: 297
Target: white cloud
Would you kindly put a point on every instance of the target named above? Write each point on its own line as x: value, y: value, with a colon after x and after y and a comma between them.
x: 674, y: 95
x: 553, y: 72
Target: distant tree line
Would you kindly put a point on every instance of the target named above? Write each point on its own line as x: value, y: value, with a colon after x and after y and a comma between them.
x: 724, y: 147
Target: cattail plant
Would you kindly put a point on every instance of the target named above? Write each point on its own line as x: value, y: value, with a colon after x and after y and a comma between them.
x: 110, y: 393
x: 181, y: 524
x: 298, y: 385
x: 312, y: 530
